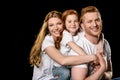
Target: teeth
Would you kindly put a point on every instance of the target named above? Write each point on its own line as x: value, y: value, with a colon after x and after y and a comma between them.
x: 95, y: 29
x: 56, y: 32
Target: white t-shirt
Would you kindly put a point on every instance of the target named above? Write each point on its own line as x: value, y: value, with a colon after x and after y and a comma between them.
x: 65, y: 49
x: 44, y: 72
x: 91, y: 48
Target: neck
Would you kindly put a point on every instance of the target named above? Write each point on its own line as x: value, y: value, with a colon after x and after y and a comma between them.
x: 93, y: 39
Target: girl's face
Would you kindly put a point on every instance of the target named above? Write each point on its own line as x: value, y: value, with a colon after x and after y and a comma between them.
x: 55, y: 26
x: 72, y: 24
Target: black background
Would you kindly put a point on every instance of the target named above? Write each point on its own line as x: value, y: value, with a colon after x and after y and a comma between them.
x: 26, y: 18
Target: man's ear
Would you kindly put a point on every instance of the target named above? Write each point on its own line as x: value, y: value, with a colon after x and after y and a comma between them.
x: 82, y: 26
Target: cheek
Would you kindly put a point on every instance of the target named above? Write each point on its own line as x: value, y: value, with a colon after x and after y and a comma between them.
x: 50, y: 30
x: 60, y: 28
x: 67, y: 25
x: 78, y: 26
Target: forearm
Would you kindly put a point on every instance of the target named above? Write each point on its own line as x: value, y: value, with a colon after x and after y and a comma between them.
x: 76, y: 48
x: 97, y: 75
x: 68, y: 60
x: 108, y: 73
x: 76, y: 60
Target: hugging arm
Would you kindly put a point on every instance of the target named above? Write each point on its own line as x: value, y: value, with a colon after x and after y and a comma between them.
x: 68, y: 60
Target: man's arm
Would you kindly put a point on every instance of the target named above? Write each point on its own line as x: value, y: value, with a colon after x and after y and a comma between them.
x: 97, y: 75
x: 108, y: 73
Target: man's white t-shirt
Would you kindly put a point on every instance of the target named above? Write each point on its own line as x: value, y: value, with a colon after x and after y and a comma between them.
x: 91, y: 48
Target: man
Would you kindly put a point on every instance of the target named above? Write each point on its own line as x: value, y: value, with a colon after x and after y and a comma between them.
x: 91, y: 42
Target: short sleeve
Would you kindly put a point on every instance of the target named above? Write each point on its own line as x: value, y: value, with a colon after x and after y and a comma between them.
x: 107, y: 50
x: 48, y: 41
x: 81, y: 34
x: 67, y: 37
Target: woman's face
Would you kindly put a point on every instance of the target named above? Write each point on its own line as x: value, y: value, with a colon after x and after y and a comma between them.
x: 55, y: 26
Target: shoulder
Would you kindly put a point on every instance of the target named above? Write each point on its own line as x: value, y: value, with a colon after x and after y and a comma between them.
x: 107, y: 46
x: 66, y: 35
x: 48, y: 38
x: 65, y: 32
x: 48, y: 41
x: 81, y: 33
x: 106, y: 42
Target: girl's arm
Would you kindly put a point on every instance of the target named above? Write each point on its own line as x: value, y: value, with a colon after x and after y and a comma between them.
x: 76, y: 48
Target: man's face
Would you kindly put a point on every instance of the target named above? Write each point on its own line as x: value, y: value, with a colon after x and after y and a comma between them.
x: 92, y: 23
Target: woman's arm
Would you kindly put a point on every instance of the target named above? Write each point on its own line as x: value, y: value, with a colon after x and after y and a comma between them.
x: 68, y: 60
